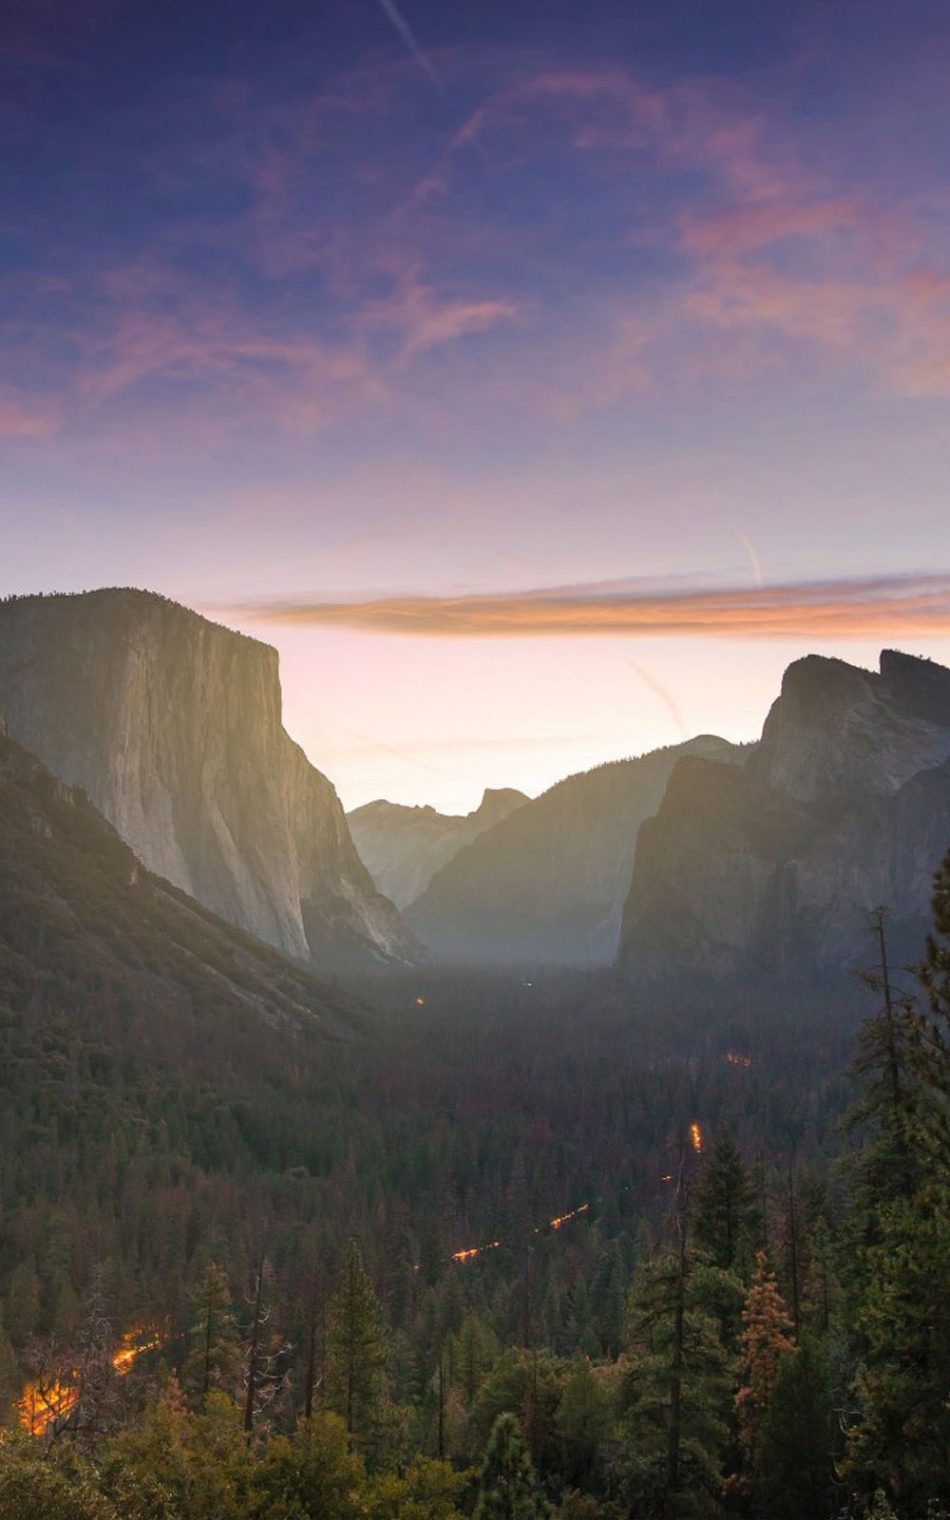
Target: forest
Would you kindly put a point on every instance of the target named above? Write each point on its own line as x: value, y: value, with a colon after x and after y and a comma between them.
x: 514, y: 1248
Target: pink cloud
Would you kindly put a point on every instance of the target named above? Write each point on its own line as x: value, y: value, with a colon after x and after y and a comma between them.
x: 25, y: 418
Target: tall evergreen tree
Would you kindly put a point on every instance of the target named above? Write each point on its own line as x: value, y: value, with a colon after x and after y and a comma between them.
x: 214, y: 1352
x: 677, y: 1387
x: 507, y: 1485
x: 356, y: 1346
x: 725, y: 1212
x: 798, y: 1440
x: 766, y: 1343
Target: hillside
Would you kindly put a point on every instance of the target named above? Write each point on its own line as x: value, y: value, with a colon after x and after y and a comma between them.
x: 548, y: 884
x: 81, y: 919
x: 403, y: 847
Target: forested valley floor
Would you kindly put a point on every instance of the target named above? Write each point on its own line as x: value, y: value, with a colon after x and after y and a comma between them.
x: 518, y: 1247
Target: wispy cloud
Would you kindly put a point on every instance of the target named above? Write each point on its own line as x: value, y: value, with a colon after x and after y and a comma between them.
x: 863, y: 607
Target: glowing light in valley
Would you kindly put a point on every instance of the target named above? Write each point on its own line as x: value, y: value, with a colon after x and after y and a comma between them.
x: 471, y: 1251
x: 733, y: 1058
x: 553, y: 1224
x: 42, y: 1407
x: 696, y: 1137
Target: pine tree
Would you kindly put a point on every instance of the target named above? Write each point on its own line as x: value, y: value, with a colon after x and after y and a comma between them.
x: 725, y: 1204
x: 581, y: 1420
x: 799, y: 1440
x: 765, y: 1343
x: 356, y: 1346
x: 507, y: 1486
x: 677, y: 1386
x: 214, y: 1354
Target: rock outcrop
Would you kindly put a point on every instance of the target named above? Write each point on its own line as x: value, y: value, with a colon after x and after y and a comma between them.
x: 548, y: 883
x: 171, y: 725
x: 403, y: 847
x: 843, y: 806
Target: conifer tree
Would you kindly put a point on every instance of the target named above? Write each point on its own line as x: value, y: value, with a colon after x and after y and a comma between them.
x: 507, y: 1486
x: 214, y: 1354
x: 799, y: 1440
x: 356, y: 1346
x: 677, y: 1387
x: 766, y: 1341
x: 725, y: 1204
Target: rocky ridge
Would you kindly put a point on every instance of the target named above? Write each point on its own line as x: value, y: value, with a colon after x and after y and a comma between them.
x: 843, y: 806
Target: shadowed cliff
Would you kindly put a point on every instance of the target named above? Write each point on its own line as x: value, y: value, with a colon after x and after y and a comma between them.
x: 843, y: 806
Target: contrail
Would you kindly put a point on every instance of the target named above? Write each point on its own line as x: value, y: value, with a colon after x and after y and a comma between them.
x: 399, y: 754
x: 754, y: 560
x: 665, y: 696
x: 392, y: 13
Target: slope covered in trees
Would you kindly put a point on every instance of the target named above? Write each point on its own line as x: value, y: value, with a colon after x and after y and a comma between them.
x: 526, y: 1249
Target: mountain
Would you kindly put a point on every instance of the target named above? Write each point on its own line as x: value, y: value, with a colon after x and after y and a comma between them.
x: 548, y: 883
x: 403, y: 847
x: 172, y: 726
x: 843, y: 806
x: 82, y: 922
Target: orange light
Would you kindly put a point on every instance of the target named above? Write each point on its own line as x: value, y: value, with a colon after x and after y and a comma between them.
x: 475, y: 1251
x: 420, y: 1002
x: 566, y: 1218
x: 733, y: 1058
x: 40, y: 1408
x: 696, y: 1137
x: 131, y: 1346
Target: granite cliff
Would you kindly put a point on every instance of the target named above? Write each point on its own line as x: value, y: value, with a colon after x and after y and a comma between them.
x: 844, y: 805
x: 403, y: 847
x: 171, y: 725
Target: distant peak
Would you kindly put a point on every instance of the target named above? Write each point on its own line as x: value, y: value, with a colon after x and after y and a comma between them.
x: 498, y: 802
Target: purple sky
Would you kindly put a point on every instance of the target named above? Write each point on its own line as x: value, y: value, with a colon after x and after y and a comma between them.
x: 299, y: 306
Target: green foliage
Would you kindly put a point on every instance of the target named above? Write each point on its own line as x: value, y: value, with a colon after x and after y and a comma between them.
x: 356, y: 1348
x: 677, y: 1393
x: 33, y: 1485
x: 507, y: 1485
x: 726, y: 1224
x: 214, y: 1354
x: 900, y: 1226
x: 798, y: 1441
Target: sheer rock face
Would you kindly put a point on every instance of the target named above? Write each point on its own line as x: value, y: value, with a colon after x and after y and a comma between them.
x: 548, y: 883
x: 403, y: 847
x: 844, y: 805
x: 172, y: 726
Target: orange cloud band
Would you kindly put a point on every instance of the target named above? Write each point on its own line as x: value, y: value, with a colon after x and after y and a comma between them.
x: 861, y: 608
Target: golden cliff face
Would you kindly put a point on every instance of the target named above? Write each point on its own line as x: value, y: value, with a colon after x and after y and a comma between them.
x: 172, y: 726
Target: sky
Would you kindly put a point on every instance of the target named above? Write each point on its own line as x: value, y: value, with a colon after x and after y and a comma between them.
x: 540, y: 378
